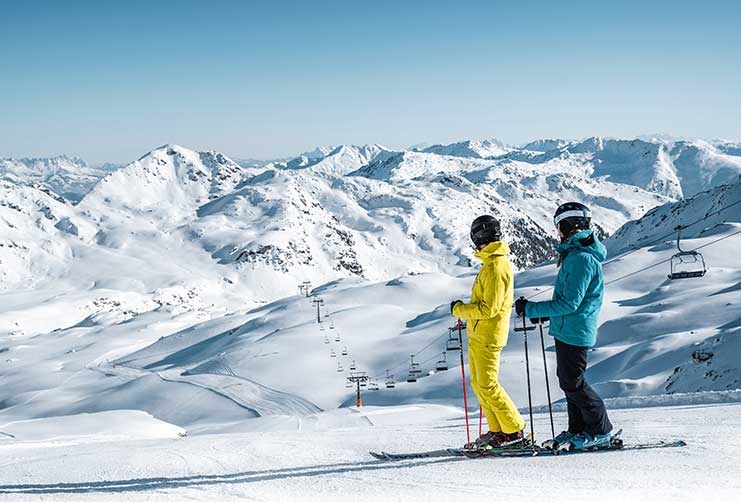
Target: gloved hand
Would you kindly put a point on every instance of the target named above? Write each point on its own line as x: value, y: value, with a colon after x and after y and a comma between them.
x: 520, y: 306
x: 539, y: 320
x: 452, y: 304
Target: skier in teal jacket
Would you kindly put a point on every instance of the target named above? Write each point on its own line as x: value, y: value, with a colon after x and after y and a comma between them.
x: 573, y: 311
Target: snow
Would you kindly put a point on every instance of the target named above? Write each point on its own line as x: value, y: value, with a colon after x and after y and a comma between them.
x: 324, y: 457
x: 153, y: 343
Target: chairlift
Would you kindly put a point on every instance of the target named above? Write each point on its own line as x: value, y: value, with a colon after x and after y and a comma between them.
x: 326, y: 340
x: 349, y: 385
x: 337, y: 338
x: 344, y: 351
x: 352, y: 365
x: 390, y: 382
x: 331, y: 326
x: 340, y: 369
x: 414, y: 371
x: 453, y: 342
x: 332, y: 353
x: 686, y: 264
x: 373, y: 385
x: 442, y: 364
x: 518, y: 324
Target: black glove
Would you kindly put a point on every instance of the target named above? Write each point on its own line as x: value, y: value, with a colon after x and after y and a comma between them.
x: 520, y: 306
x: 539, y: 320
x: 453, y: 303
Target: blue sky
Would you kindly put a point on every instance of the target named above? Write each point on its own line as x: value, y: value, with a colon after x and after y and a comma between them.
x: 109, y: 80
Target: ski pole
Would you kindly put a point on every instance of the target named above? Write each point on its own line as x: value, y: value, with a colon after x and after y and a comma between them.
x: 481, y: 419
x: 463, y: 376
x: 527, y: 369
x: 547, y: 386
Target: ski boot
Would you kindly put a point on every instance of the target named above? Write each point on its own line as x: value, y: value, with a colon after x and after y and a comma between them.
x: 562, y: 438
x: 586, y: 441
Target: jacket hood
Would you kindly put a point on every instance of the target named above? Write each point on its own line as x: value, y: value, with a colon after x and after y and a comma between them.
x: 496, y: 248
x: 586, y: 241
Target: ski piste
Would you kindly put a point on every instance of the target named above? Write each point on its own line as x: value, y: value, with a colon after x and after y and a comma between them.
x: 529, y: 451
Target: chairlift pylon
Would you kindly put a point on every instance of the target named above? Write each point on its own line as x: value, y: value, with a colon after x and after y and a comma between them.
x: 686, y: 264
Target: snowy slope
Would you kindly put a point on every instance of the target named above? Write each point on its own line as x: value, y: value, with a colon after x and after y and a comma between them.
x: 34, y: 231
x: 328, y: 460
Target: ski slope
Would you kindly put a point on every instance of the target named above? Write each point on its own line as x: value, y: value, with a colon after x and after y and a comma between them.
x: 324, y: 457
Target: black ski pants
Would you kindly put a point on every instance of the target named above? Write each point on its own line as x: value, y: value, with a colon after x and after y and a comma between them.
x: 586, y: 409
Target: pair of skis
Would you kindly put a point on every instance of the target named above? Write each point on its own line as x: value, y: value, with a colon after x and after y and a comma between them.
x: 616, y: 444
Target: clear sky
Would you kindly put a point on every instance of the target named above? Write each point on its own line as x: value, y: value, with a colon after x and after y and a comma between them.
x: 110, y: 80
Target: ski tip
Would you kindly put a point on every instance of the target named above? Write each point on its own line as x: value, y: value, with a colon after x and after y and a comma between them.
x: 379, y: 455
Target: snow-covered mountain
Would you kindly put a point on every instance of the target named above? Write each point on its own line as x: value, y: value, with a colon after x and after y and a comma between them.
x: 475, y: 149
x: 68, y: 177
x: 673, y: 168
x: 370, y: 212
x: 335, y: 161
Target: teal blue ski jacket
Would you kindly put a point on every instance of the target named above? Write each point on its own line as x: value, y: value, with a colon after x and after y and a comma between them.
x: 578, y: 293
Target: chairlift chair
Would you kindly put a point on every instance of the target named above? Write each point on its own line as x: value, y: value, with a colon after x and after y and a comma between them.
x: 339, y: 367
x: 442, y: 364
x: 352, y: 365
x: 349, y: 385
x: 390, y: 382
x: 686, y: 264
x: 337, y: 338
x: 414, y: 371
x: 332, y: 353
x: 373, y: 385
x: 344, y: 351
x: 453, y: 342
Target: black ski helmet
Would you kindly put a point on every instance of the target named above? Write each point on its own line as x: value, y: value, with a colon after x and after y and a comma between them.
x: 485, y: 229
x: 572, y: 216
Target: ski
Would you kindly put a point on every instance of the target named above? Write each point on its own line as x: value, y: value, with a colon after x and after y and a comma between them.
x: 445, y: 452
x: 529, y: 451
x: 622, y: 447
x: 456, y: 452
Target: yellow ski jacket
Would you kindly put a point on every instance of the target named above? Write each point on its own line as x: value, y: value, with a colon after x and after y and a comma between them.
x: 487, y: 316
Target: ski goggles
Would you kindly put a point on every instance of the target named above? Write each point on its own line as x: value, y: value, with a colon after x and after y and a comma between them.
x: 573, y: 213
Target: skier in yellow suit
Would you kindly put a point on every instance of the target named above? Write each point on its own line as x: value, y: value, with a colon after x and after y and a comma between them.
x: 487, y: 320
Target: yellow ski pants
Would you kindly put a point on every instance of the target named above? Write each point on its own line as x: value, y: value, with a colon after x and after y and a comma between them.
x: 501, y: 413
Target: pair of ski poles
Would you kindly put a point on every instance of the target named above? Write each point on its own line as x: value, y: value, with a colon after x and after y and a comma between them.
x: 524, y: 330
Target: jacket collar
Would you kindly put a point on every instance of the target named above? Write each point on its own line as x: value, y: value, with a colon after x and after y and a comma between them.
x: 493, y: 249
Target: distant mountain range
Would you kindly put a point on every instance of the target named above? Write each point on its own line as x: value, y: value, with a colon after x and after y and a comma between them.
x: 345, y: 210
